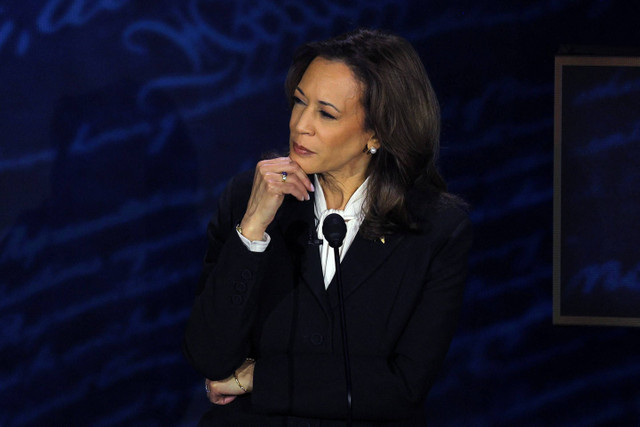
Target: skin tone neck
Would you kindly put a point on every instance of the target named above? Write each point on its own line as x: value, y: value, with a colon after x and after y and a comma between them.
x: 338, y: 191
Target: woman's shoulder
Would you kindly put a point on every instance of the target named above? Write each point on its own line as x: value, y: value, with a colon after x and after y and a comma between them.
x: 437, y: 210
x: 238, y: 187
x: 235, y: 195
x: 242, y: 180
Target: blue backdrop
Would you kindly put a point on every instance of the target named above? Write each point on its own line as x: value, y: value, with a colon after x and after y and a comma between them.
x: 121, y: 122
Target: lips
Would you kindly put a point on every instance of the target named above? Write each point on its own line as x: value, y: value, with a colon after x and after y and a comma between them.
x: 300, y: 150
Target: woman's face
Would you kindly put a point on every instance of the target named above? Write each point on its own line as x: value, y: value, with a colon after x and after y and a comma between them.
x: 327, y: 132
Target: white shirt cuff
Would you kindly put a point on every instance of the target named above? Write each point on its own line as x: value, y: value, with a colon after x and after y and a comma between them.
x: 256, y: 245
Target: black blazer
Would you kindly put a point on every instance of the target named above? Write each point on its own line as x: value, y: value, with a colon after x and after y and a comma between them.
x: 402, y: 296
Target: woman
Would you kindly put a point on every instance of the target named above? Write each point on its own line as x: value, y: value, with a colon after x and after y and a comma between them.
x: 265, y: 329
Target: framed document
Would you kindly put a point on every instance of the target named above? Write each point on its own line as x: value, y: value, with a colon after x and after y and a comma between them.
x: 596, y: 254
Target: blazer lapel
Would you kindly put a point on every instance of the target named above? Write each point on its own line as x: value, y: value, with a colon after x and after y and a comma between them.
x: 362, y: 259
x: 296, y: 222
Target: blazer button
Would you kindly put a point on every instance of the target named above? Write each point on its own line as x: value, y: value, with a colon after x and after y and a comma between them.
x: 237, y: 299
x: 317, y: 339
x: 240, y: 286
x: 246, y: 274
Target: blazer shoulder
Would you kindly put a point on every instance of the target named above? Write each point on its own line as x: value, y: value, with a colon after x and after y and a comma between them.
x: 439, y: 212
x: 445, y: 227
x: 242, y: 182
x: 238, y: 189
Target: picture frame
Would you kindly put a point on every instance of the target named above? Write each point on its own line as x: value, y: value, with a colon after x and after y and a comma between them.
x: 596, y: 207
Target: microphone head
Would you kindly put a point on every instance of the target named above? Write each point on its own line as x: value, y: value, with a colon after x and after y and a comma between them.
x: 334, y: 229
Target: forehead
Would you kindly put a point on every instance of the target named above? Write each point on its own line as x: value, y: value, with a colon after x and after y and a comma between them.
x: 330, y: 78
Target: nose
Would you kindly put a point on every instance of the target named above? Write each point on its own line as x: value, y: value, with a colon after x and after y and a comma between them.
x: 302, y: 121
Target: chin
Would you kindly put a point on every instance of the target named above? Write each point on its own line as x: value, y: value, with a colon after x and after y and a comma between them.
x: 305, y: 164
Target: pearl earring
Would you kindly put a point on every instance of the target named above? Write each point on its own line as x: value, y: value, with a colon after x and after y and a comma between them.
x: 372, y: 150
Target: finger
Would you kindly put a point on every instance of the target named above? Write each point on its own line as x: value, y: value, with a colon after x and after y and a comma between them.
x: 274, y: 165
x: 274, y: 184
x: 293, y: 169
x: 277, y: 177
x: 297, y: 190
x: 215, y: 396
x: 301, y: 174
x: 221, y: 399
x: 226, y: 400
x: 291, y: 185
x: 285, y: 164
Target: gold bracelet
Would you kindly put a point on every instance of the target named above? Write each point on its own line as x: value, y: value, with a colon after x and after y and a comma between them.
x: 235, y: 376
x: 238, y: 382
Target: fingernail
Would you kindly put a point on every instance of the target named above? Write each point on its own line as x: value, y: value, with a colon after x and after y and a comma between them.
x: 308, y: 197
x: 312, y: 187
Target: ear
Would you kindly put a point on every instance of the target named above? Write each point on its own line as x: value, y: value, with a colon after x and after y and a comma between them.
x: 374, y: 142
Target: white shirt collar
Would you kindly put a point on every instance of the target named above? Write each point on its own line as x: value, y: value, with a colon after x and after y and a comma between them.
x: 353, y: 214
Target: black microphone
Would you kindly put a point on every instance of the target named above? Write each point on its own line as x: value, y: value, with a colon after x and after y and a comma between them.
x: 334, y: 230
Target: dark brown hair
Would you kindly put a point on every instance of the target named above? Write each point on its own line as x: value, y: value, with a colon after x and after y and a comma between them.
x: 400, y: 108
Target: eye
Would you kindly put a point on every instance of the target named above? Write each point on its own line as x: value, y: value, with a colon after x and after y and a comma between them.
x: 297, y: 100
x: 327, y: 115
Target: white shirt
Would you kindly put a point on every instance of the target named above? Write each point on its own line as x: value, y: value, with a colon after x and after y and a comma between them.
x: 353, y: 215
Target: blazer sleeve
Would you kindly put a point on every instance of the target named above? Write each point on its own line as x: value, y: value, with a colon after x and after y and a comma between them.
x: 384, y: 388
x: 217, y: 337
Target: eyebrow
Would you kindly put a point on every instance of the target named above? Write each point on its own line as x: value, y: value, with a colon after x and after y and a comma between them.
x: 328, y: 104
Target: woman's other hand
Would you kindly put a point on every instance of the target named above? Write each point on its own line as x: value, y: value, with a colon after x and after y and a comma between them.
x: 225, y: 391
x: 273, y: 179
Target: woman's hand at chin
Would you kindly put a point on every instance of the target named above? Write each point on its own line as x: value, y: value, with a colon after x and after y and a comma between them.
x: 273, y: 179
